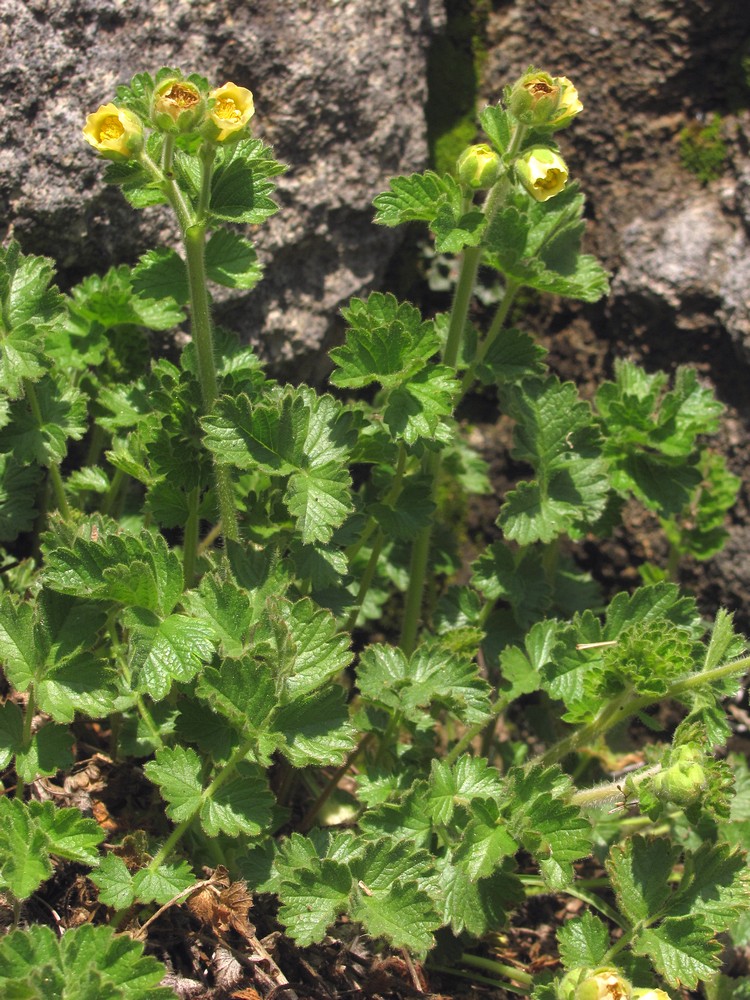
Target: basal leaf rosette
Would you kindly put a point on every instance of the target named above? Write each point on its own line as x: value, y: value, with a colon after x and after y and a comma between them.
x: 115, y: 132
x: 231, y: 109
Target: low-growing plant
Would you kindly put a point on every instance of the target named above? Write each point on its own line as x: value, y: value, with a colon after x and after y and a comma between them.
x: 702, y: 149
x: 252, y: 593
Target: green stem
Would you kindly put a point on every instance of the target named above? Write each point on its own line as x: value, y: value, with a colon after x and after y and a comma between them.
x: 364, y: 584
x: 627, y: 704
x: 226, y: 772
x: 498, y: 321
x: 190, y: 538
x: 26, y: 737
x: 112, y: 493
x: 490, y: 965
x: 420, y: 554
x: 497, y: 709
x: 54, y: 470
x: 194, y: 242
x: 611, y: 791
x: 475, y: 978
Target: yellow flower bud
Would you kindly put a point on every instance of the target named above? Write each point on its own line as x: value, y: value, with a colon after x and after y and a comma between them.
x: 569, y: 105
x: 535, y: 98
x: 478, y: 167
x: 603, y: 984
x: 542, y: 172
x: 178, y: 106
x: 116, y: 132
x: 232, y: 109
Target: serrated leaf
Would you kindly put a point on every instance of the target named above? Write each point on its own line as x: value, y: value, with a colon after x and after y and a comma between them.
x: 40, y: 432
x: 640, y: 869
x: 166, y: 650
x: 405, y: 916
x: 411, y: 511
x: 24, y: 860
x: 114, y: 881
x: 417, y: 408
x: 177, y: 771
x: 460, y: 784
x: 715, y: 884
x: 485, y: 841
x: 86, y: 963
x: 243, y: 804
x: 315, y: 899
x: 555, y: 432
x: 298, y: 435
x: 231, y: 260
x: 584, y: 941
x: 49, y: 751
x: 455, y: 229
x: 511, y: 357
x: 11, y: 732
x: 111, y: 300
x: 414, y: 198
x: 681, y: 949
x: 316, y: 728
x: 496, y: 123
x: 160, y: 274
x: 242, y: 691
x: 241, y: 185
x: 19, y: 491
x: 69, y: 835
x: 162, y: 884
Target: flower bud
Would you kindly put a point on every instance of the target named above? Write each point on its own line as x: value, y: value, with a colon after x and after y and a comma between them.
x: 683, y: 781
x: 231, y: 110
x: 651, y: 995
x: 535, y: 98
x: 604, y: 983
x: 178, y: 106
x: 116, y: 132
x: 542, y: 172
x: 478, y: 167
x: 569, y: 105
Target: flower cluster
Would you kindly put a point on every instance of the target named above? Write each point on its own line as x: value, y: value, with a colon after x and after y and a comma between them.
x: 177, y: 107
x: 537, y: 102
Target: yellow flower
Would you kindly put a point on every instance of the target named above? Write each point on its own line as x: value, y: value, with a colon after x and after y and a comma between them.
x: 542, y: 172
x: 603, y: 984
x: 478, y: 167
x: 534, y: 98
x: 232, y: 109
x: 114, y: 131
x: 569, y: 105
x: 175, y: 98
x: 650, y: 995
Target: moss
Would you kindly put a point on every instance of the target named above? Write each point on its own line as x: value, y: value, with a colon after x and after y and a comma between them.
x: 453, y: 72
x: 702, y: 149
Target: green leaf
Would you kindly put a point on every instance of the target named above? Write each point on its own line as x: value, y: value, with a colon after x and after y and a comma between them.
x: 518, y: 577
x: 387, y: 342
x: 316, y: 728
x: 411, y: 511
x: 431, y: 677
x: 162, y: 884
x: 30, y: 305
x: 177, y: 771
x: 86, y: 963
x: 48, y: 752
x: 681, y: 949
x: 69, y: 835
x: 584, y: 941
x: 11, y: 732
x: 640, y: 870
x: 314, y: 900
x: 114, y: 881
x: 715, y: 885
x: 538, y: 244
x: 298, y: 435
x: 455, y: 230
x: 39, y: 431
x: 24, y: 860
x: 415, y: 198
x: 223, y: 607
x: 497, y: 125
x: 418, y: 408
x: 231, y: 260
x: 243, y: 691
x: 540, y: 816
x: 161, y: 274
x: 485, y: 841
x: 241, y: 185
x: 112, y: 299
x: 244, y: 804
x: 19, y: 491
x: 460, y: 784
x: 165, y: 650
x: 511, y: 357
x: 555, y: 433
x: 404, y: 916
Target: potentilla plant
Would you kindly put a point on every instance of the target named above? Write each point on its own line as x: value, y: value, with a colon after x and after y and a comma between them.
x: 193, y: 579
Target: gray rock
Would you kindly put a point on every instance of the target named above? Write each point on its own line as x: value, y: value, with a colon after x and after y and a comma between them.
x: 340, y: 89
